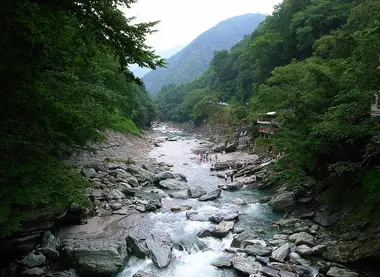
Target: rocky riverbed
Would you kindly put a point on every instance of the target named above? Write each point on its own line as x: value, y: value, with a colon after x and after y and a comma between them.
x: 167, y: 213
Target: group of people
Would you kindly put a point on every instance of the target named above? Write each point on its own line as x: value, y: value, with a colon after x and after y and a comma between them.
x: 206, y: 157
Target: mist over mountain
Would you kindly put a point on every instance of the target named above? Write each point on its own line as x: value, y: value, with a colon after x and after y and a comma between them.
x: 194, y: 59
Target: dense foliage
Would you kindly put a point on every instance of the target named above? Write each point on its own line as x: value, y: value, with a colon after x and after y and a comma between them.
x: 316, y: 64
x: 194, y: 59
x: 64, y: 79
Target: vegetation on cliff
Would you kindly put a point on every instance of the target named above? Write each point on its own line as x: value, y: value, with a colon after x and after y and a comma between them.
x: 64, y: 79
x: 316, y: 64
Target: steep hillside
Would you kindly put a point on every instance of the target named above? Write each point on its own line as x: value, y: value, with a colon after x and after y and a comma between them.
x: 194, y: 59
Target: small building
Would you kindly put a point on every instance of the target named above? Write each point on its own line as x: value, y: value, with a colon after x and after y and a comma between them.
x: 375, y: 105
x: 267, y: 124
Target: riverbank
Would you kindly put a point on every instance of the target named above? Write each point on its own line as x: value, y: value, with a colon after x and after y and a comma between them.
x: 167, y: 214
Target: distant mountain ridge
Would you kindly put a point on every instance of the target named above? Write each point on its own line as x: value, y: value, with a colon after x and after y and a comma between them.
x: 194, y: 59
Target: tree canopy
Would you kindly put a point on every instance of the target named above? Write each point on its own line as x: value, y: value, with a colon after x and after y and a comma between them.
x: 64, y: 79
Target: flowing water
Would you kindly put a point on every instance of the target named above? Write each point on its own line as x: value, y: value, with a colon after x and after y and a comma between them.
x: 197, y: 254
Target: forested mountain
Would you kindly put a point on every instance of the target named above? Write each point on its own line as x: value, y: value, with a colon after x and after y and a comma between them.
x: 64, y: 79
x: 141, y: 71
x: 194, y: 59
x: 316, y: 63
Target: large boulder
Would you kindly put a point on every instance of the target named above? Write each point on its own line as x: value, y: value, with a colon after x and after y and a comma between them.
x: 165, y: 175
x: 240, y: 238
x: 179, y: 194
x: 142, y: 175
x: 247, y: 266
x: 210, y: 195
x: 160, y: 249
x: 302, y: 238
x: 283, y: 202
x: 223, y: 228
x: 196, y: 191
x: 173, y: 184
x: 282, y: 252
x: 95, y: 258
x: 224, y: 215
x: 232, y: 186
x: 137, y: 246
x: 196, y: 216
x: 33, y: 260
x: 340, y: 272
x: 35, y: 271
x: 257, y: 250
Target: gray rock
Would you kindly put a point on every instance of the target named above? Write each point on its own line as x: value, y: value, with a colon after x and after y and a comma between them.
x: 246, y: 235
x: 142, y: 175
x: 247, y: 265
x: 137, y: 247
x: 295, y: 258
x: 282, y: 252
x: 231, y: 147
x: 206, y: 232
x: 140, y: 208
x: 180, y: 176
x: 196, y: 191
x: 160, y: 249
x: 223, y: 229
x: 302, y: 238
x: 165, y: 175
x: 196, y: 216
x: 100, y: 257
x: 257, y: 250
x: 222, y: 263
x: 340, y: 272
x: 180, y: 194
x: 89, y: 172
x: 224, y: 215
x: 35, y: 271
x: 276, y: 242
x: 141, y: 273
x: 51, y: 254
x: 283, y: 202
x: 263, y: 260
x: 276, y: 272
x: 210, y: 195
x: 319, y: 249
x: 264, y: 199
x: 50, y: 241
x: 173, y: 184
x: 238, y: 201
x: 304, y: 250
x: 116, y: 206
x: 232, y: 186
x: 132, y: 181
x: 66, y: 273
x: 33, y: 260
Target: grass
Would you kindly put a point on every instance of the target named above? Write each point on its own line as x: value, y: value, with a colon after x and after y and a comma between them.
x: 123, y: 124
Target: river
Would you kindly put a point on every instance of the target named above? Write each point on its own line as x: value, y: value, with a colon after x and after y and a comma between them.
x: 194, y: 256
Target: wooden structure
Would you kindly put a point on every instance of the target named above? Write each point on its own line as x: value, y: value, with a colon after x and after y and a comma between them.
x: 267, y: 124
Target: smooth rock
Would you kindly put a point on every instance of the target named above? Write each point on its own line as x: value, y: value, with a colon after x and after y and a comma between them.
x: 180, y: 176
x: 160, y: 248
x: 304, y: 250
x: 50, y: 241
x: 319, y: 249
x: 137, y: 246
x: 179, y: 194
x: 165, y: 175
x: 142, y: 175
x: 282, y: 252
x: 49, y: 253
x: 196, y: 191
x: 257, y: 250
x: 224, y: 215
x: 222, y: 263
x: 223, y: 228
x: 173, y: 184
x: 246, y: 266
x: 116, y: 206
x: 340, y: 272
x: 211, y: 195
x: 276, y: 272
x: 283, y: 202
x: 141, y: 273
x: 238, y: 201
x: 100, y: 257
x: 302, y: 238
x: 232, y: 186
x: 33, y: 260
x: 35, y: 271
x: 246, y: 235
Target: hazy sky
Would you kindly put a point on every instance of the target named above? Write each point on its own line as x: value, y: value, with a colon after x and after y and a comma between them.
x: 184, y: 20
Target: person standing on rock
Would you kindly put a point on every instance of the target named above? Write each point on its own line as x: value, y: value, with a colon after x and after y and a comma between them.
x: 225, y: 177
x: 232, y: 178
